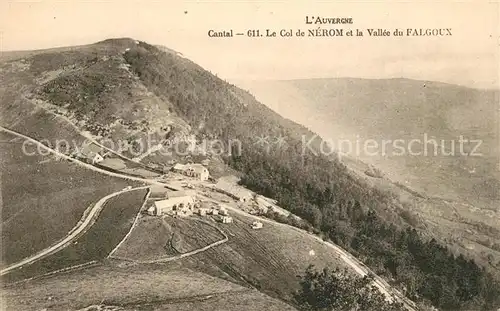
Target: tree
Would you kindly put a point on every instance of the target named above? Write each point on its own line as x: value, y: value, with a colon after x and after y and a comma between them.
x: 336, y: 290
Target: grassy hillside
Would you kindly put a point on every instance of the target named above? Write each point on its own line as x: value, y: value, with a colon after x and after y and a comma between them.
x: 43, y: 198
x: 268, y: 259
x: 89, y: 86
x: 96, y: 243
x: 136, y: 288
x: 155, y: 238
x: 318, y: 188
x: 455, y: 198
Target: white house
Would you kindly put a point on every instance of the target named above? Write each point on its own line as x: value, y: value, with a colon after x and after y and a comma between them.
x: 226, y: 219
x: 202, y: 211
x: 92, y: 153
x: 192, y: 170
x: 256, y: 225
x: 223, y: 211
x: 97, y: 158
x: 172, y: 205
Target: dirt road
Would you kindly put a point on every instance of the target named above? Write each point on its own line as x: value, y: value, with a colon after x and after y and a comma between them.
x: 75, y: 233
x: 86, y: 165
x: 349, y: 259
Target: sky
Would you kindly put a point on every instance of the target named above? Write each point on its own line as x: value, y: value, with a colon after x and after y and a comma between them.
x: 469, y: 57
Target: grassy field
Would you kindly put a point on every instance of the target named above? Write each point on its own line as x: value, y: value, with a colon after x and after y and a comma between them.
x: 139, y: 287
x: 155, y: 238
x: 113, y: 163
x: 43, y: 198
x: 110, y: 228
x: 190, y: 234
x: 147, y: 241
x: 245, y: 300
x: 268, y: 259
x: 140, y: 172
x: 25, y: 117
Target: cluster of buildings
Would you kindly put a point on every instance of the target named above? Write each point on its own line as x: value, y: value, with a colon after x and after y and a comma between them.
x: 92, y: 153
x: 177, y: 206
x: 184, y: 204
x: 256, y: 225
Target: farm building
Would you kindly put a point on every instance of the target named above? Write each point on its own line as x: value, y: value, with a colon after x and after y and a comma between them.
x: 192, y: 170
x: 256, y: 225
x: 223, y: 211
x: 202, y: 211
x: 183, y: 212
x: 92, y: 153
x: 226, y: 219
x: 177, y: 205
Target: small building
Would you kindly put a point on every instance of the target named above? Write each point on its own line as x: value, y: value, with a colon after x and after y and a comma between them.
x: 223, y: 211
x: 183, y: 212
x: 214, y: 211
x: 256, y: 225
x: 177, y: 205
x: 192, y: 170
x: 198, y: 171
x: 92, y: 153
x: 202, y: 211
x: 151, y: 210
x: 226, y: 219
x: 97, y: 158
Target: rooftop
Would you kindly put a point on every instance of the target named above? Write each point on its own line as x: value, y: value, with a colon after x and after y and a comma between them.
x: 174, y: 201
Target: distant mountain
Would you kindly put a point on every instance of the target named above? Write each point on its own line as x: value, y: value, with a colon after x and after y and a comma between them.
x: 388, y: 110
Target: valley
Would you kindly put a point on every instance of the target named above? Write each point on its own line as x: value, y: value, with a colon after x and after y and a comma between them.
x: 454, y: 194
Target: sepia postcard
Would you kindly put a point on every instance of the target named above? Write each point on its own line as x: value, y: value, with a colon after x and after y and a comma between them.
x: 249, y: 155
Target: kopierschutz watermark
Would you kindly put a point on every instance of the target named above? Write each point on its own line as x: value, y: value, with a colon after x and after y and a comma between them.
x: 423, y: 146
x: 314, y: 145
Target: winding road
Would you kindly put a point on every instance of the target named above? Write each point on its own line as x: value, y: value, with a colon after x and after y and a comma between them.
x: 86, y: 165
x: 75, y: 233
x: 349, y: 259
